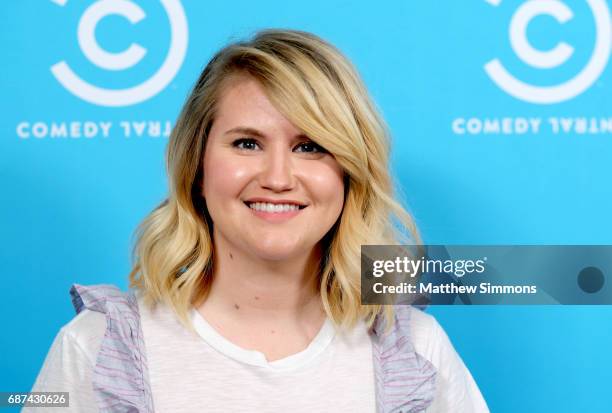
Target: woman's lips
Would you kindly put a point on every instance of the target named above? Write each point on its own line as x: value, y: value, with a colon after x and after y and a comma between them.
x: 275, y: 216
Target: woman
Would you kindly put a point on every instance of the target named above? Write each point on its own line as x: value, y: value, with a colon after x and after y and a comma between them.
x: 246, y: 279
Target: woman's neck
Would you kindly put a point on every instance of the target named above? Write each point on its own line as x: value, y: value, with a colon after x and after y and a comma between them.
x: 274, y: 308
x: 249, y: 289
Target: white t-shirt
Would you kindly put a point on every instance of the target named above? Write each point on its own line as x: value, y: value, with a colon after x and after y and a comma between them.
x: 208, y: 373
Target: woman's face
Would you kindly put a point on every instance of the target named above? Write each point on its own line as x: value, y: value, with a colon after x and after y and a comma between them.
x: 270, y: 191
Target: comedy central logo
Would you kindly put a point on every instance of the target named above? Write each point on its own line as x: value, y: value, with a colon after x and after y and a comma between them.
x: 555, y: 57
x: 125, y: 59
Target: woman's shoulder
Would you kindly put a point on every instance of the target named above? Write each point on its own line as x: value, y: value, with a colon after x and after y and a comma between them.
x: 424, y: 330
x: 86, y: 331
x: 455, y: 384
x: 96, y: 305
x: 430, y: 340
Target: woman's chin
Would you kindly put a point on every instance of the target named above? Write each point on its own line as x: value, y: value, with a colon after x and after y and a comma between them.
x: 277, y: 252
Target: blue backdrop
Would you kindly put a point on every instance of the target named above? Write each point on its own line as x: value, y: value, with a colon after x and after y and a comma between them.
x: 502, y: 127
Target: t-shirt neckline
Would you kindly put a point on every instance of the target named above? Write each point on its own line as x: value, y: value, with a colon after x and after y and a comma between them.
x: 256, y: 358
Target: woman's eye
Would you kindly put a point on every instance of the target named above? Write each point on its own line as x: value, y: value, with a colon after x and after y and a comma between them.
x: 250, y: 144
x: 310, y: 147
x: 245, y: 144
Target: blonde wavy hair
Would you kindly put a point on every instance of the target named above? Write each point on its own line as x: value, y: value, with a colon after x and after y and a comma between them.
x: 317, y: 89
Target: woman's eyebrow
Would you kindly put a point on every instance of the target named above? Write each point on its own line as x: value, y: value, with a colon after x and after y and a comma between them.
x: 254, y: 132
x: 246, y: 131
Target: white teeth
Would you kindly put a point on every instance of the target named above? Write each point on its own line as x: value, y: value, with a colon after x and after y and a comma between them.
x: 273, y: 208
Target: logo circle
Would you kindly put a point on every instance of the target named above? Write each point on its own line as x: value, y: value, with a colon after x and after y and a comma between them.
x: 564, y: 91
x: 118, y: 61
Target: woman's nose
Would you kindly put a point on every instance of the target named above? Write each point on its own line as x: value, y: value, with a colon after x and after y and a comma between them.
x: 277, y: 171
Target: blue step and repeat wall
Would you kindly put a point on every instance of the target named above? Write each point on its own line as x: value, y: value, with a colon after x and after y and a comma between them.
x: 502, y: 134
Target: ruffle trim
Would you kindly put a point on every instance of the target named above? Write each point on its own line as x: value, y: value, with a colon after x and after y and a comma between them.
x: 121, y: 380
x: 405, y: 381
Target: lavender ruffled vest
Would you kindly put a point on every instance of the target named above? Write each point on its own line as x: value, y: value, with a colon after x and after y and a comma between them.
x: 405, y: 381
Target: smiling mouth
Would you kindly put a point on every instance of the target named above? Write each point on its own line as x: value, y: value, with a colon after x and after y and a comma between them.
x: 249, y: 204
